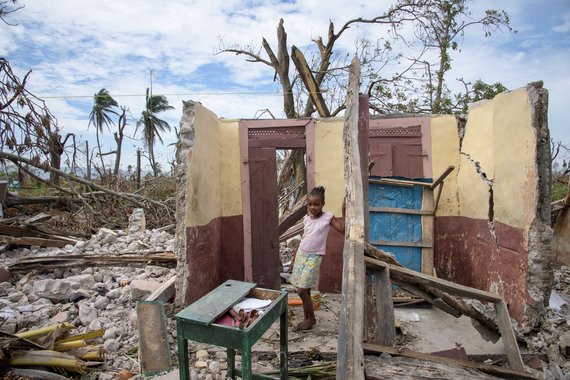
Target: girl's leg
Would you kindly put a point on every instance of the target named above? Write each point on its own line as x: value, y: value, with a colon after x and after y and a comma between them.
x: 308, y: 311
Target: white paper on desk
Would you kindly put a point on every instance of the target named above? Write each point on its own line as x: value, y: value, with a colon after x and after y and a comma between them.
x: 248, y: 304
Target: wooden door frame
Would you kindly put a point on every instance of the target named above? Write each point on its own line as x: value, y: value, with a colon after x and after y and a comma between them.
x: 279, y: 129
x: 423, y: 122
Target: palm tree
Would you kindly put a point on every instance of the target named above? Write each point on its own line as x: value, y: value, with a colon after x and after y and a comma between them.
x: 152, y: 125
x: 103, y: 104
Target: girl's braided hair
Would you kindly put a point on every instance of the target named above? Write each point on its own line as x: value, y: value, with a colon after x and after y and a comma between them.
x: 318, y: 191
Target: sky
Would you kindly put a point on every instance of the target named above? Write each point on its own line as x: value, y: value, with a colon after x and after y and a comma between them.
x: 76, y: 47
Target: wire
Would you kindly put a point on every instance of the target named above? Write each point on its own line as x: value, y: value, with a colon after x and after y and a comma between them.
x: 277, y: 93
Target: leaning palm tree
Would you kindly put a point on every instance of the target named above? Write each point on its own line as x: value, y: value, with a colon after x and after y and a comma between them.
x: 152, y: 125
x: 100, y: 116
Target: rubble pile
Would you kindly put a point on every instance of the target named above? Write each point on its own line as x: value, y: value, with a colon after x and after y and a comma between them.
x: 89, y: 298
x: 553, y: 336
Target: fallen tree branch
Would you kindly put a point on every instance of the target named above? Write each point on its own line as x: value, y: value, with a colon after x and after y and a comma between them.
x: 15, y: 159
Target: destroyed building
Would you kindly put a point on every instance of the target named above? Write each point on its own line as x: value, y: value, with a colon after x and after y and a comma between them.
x: 491, y: 229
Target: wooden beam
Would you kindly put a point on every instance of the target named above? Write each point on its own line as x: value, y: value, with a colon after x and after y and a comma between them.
x: 399, y: 182
x: 310, y: 83
x: 164, y: 293
x: 442, y: 177
x: 427, y: 232
x: 420, y: 244
x: 414, y: 277
x: 508, y: 335
x: 370, y: 348
x: 33, y: 241
x: 386, y: 332
x: 437, y: 302
x: 371, y: 322
x: 350, y: 362
x: 27, y: 264
x: 395, y: 210
x: 380, y: 255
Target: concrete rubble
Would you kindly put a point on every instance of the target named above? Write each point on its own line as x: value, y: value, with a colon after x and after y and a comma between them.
x: 94, y: 298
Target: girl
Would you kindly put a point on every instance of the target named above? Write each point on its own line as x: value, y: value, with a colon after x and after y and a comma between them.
x: 311, y: 250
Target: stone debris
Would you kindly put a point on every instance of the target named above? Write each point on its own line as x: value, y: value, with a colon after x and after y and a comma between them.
x: 553, y: 334
x: 94, y: 298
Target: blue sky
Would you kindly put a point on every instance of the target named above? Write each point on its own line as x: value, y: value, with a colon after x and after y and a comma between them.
x: 75, y: 48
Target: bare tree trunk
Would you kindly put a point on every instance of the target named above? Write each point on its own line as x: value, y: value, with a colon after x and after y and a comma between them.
x: 103, y: 170
x: 88, y: 159
x: 138, y: 169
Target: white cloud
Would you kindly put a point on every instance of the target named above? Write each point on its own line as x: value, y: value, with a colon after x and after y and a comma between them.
x: 75, y: 48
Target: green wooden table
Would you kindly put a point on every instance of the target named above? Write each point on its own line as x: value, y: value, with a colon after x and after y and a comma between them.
x: 196, y: 323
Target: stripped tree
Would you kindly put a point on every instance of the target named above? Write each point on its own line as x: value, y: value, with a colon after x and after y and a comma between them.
x: 29, y: 129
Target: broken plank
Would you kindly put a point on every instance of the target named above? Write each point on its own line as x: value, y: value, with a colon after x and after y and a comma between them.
x: 403, y: 368
x: 442, y: 177
x: 37, y: 218
x: 164, y: 293
x: 437, y: 302
x: 386, y: 332
x: 508, y: 335
x: 414, y: 277
x: 33, y: 241
x: 371, y: 322
x: 399, y: 182
x: 27, y: 264
x: 395, y: 210
x: 372, y: 251
x: 18, y: 231
x: 154, y: 351
x: 370, y: 348
x: 389, y: 243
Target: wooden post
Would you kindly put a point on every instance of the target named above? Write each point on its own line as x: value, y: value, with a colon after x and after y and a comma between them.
x: 370, y: 323
x: 350, y: 357
x: 386, y: 332
x: 363, y: 130
x: 138, y: 169
x: 508, y: 335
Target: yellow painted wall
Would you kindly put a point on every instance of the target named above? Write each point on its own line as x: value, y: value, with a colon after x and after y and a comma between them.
x: 445, y: 152
x: 203, y: 191
x: 500, y: 138
x: 329, y: 162
x: 516, y: 173
x: 230, y: 170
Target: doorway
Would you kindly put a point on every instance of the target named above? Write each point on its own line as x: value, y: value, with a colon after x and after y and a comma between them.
x: 259, y: 141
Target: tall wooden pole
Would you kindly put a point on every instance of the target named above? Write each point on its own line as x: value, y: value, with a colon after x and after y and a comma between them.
x: 350, y: 356
x: 138, y: 169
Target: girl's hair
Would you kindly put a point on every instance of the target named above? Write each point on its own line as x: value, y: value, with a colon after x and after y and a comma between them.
x: 318, y: 191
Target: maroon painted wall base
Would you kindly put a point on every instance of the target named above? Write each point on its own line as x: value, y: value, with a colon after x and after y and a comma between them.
x: 214, y: 254
x: 466, y: 252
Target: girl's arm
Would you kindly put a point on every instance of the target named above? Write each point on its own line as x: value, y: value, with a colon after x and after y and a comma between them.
x: 338, y: 223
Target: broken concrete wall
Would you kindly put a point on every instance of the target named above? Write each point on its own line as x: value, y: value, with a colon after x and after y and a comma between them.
x: 492, y: 229
x: 329, y: 172
x: 209, y: 204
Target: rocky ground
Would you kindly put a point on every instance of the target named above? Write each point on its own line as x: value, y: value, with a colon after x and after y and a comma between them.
x: 105, y: 297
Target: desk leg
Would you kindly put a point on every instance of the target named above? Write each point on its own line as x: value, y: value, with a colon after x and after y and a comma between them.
x: 283, y: 354
x: 231, y: 363
x: 183, y: 357
x: 246, y: 360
